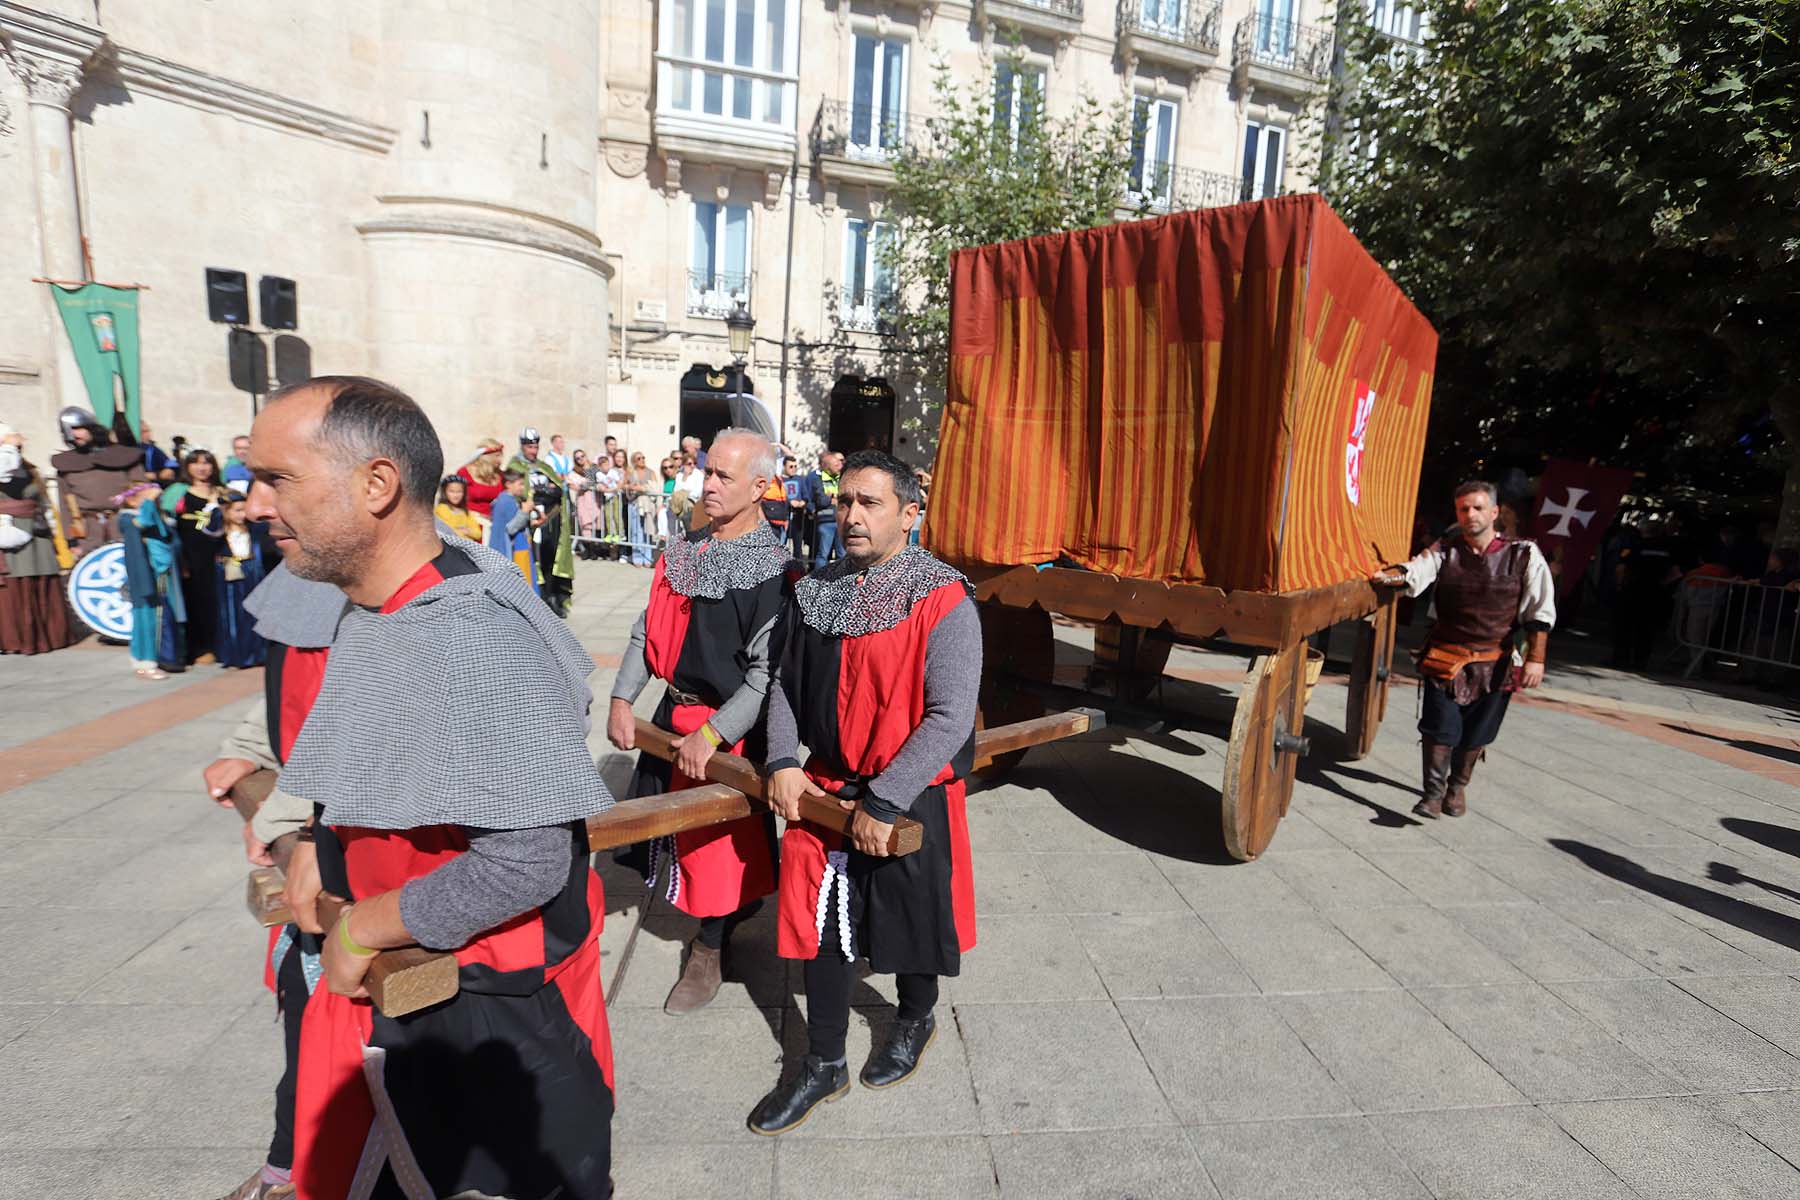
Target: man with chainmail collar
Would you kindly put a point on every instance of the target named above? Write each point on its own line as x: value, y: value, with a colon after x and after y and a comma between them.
x: 878, y: 665
x: 462, y: 837
x: 713, y: 605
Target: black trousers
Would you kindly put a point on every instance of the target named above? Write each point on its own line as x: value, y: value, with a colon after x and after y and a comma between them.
x: 290, y: 995
x: 1464, y: 726
x: 829, y: 978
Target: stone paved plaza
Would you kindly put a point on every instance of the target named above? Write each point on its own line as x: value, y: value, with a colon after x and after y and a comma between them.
x: 1587, y: 988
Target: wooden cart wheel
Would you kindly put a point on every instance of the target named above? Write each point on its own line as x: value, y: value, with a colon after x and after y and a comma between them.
x: 1130, y: 659
x: 1016, y: 644
x: 1370, y: 666
x: 1266, y: 745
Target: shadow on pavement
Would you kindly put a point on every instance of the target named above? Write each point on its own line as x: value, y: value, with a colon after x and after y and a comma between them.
x: 1751, y: 918
x: 1783, y: 754
x: 1145, y: 804
x: 1729, y: 875
x: 1326, y: 776
x: 1775, y: 837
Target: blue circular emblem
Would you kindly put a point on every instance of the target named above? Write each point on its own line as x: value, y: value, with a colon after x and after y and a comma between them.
x: 98, y: 594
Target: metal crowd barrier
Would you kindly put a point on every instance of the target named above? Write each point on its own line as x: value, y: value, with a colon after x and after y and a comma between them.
x: 1737, y: 620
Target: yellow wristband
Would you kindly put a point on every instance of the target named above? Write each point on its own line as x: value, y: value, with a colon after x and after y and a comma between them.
x: 349, y: 943
x: 711, y: 735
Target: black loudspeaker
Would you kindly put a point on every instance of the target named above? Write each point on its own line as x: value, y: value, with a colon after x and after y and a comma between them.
x: 249, y: 359
x: 227, y: 296
x: 293, y: 360
x: 280, y: 303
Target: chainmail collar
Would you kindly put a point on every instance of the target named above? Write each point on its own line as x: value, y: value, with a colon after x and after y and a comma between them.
x: 842, y: 601
x: 705, y: 567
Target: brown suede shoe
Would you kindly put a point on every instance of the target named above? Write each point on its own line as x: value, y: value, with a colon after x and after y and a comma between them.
x: 1436, y: 761
x: 254, y: 1188
x: 699, y: 981
x: 1456, y: 800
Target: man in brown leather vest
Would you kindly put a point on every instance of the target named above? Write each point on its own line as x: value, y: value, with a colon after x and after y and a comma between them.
x: 1495, y: 605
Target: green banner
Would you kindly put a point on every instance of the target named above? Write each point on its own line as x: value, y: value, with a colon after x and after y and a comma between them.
x: 103, y: 331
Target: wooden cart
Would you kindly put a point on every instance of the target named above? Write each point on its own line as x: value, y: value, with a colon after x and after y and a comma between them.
x: 1207, y: 427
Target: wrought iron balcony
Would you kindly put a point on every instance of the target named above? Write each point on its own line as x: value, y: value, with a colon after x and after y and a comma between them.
x: 868, y: 310
x: 715, y: 294
x: 861, y: 131
x: 1166, y: 189
x: 1281, y: 54
x: 1054, y: 18
x: 1184, y: 32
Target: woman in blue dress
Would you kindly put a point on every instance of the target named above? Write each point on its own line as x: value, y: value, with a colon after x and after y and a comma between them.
x: 153, y: 577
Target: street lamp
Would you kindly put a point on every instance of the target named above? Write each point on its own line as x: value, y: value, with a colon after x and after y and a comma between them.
x: 739, y: 325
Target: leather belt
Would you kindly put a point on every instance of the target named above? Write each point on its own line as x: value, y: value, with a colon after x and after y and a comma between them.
x: 679, y: 697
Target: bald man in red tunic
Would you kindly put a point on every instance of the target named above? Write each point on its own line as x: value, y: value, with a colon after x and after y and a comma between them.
x: 713, y: 604
x: 878, y: 665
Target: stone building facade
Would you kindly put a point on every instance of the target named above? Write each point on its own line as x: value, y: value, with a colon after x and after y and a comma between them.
x: 541, y: 211
x: 747, y: 146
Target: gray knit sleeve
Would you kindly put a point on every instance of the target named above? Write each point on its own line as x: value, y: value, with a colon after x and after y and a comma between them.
x: 502, y: 874
x: 634, y: 668
x: 738, y: 714
x: 780, y: 728
x: 952, y: 689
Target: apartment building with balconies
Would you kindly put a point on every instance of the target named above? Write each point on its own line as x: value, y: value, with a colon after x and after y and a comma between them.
x: 748, y: 149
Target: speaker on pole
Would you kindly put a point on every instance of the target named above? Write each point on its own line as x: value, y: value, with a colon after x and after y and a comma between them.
x: 280, y: 302
x: 249, y: 361
x: 227, y: 296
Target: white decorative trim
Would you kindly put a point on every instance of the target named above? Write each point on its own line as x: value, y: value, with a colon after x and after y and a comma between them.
x: 215, y: 93
x: 49, y: 54
x: 455, y: 221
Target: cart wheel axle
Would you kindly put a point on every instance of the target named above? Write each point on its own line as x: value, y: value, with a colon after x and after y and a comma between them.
x: 1292, y: 743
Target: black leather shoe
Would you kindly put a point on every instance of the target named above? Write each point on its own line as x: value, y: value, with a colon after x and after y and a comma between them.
x: 793, y: 1099
x: 899, y: 1058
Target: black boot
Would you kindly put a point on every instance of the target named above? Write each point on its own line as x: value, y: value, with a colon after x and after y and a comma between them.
x: 1437, y: 777
x: 899, y: 1058
x: 794, y: 1098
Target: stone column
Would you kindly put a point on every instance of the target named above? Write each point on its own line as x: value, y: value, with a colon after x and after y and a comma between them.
x: 51, y: 81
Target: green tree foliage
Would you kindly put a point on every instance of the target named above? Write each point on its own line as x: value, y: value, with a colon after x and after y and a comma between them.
x: 1597, y: 202
x: 991, y: 166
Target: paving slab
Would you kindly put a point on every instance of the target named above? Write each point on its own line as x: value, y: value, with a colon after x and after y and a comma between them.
x: 1231, y: 1059
x: 1344, y: 1158
x: 1024, y: 957
x: 1681, y: 1036
x: 1421, y: 947
x: 1443, y: 877
x: 1545, y: 945
x: 1058, y: 1066
x: 1772, y: 1118
x: 1768, y: 1006
x: 695, y: 1170
x: 1662, y: 941
x: 122, y: 1174
x: 1159, y: 954
x: 1211, y: 887
x: 1390, y: 1052
x: 700, y: 1074
x: 1144, y: 1163
x: 1331, y: 879
x: 1676, y: 1147
x: 1110, y: 882
x: 1295, y: 951
x: 1015, y: 881
x: 42, y: 936
x: 1542, y: 1046
x: 1498, y: 1154
x: 958, y: 1168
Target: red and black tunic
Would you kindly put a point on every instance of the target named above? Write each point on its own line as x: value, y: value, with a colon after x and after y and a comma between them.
x: 851, y: 667
x: 522, y: 1053
x: 713, y: 606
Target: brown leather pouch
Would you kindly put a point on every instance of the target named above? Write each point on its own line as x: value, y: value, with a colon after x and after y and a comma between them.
x: 1442, y: 661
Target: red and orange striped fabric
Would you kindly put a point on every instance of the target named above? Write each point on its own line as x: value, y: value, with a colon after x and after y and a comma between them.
x: 1234, y: 396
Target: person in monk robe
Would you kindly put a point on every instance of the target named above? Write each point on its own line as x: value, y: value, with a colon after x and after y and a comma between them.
x: 297, y: 620
x: 462, y: 838
x: 1496, y: 603
x: 877, y: 669
x: 714, y: 599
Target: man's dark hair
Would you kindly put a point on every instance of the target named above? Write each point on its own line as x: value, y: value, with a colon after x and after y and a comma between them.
x: 906, y: 484
x: 1478, y: 485
x: 511, y: 476
x: 370, y: 419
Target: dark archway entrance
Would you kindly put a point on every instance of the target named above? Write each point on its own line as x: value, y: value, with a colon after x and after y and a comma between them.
x: 862, y: 414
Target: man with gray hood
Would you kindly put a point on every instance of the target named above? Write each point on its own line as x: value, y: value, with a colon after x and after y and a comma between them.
x: 466, y: 837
